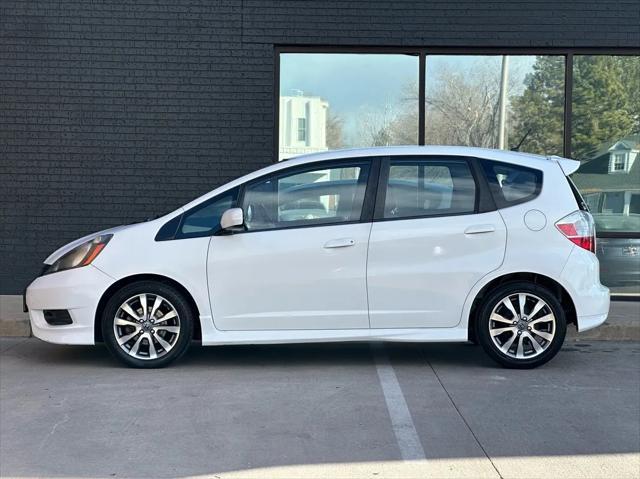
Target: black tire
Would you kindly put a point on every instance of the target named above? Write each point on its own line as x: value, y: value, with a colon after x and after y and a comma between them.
x: 494, y: 351
x: 153, y: 288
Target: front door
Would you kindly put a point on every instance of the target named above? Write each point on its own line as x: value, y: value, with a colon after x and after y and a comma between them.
x: 301, y: 263
x: 429, y: 243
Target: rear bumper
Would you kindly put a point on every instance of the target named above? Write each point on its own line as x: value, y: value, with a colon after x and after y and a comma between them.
x: 581, y: 278
x: 585, y: 323
x: 78, y: 291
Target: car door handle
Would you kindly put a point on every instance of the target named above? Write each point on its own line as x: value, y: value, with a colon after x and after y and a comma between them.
x: 479, y: 229
x: 339, y: 243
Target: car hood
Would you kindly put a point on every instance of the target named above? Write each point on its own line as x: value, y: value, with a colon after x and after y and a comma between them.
x: 57, y: 254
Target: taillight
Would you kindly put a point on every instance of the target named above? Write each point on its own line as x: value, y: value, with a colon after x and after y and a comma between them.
x: 579, y: 227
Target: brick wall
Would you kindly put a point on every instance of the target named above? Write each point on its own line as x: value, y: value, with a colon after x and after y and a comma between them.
x: 110, y: 113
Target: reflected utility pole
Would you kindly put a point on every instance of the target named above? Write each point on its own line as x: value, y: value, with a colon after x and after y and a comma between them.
x: 502, y: 119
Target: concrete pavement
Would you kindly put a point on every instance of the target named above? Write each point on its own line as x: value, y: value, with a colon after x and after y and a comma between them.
x: 337, y: 410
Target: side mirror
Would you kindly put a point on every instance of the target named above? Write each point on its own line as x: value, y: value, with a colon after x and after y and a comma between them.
x: 232, y: 220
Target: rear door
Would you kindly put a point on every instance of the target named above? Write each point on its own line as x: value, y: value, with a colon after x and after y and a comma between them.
x: 435, y: 234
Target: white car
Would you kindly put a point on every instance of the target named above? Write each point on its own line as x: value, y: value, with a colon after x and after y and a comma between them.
x: 394, y: 244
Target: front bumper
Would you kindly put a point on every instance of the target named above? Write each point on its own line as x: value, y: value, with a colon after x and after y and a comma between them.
x: 76, y: 290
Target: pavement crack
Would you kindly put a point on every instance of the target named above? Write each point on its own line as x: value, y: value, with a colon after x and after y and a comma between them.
x: 53, y: 430
x: 461, y: 416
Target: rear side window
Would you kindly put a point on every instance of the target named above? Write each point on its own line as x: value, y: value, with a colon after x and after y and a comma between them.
x: 512, y: 184
x: 420, y: 188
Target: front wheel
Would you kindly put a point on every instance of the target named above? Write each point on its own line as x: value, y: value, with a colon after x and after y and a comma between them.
x: 521, y: 325
x: 147, y: 324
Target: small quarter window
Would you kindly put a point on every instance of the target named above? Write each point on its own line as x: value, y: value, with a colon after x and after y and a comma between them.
x: 512, y: 184
x: 204, y: 219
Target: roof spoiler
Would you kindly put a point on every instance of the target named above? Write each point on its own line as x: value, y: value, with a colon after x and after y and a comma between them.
x: 568, y: 166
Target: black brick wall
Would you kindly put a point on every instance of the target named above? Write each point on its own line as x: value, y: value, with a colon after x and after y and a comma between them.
x: 113, y: 111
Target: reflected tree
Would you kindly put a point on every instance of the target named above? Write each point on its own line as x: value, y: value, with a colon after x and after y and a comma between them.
x: 463, y: 109
x: 605, y: 101
x: 539, y: 111
x: 606, y: 104
x: 335, y: 131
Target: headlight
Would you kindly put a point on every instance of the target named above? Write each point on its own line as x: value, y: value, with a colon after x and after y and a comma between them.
x: 81, y: 255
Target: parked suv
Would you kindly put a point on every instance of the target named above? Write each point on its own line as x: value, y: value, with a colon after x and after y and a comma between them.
x: 395, y: 244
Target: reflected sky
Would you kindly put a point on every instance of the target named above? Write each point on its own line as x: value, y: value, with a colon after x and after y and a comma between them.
x: 361, y: 86
x: 347, y: 81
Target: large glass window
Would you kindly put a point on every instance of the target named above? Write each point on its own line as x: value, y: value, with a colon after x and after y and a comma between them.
x: 343, y: 100
x: 326, y: 196
x: 495, y: 101
x: 429, y: 188
x: 605, y: 127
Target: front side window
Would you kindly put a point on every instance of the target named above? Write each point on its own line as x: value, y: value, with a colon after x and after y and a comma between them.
x: 512, y: 184
x: 204, y: 219
x: 419, y: 188
x: 319, y: 196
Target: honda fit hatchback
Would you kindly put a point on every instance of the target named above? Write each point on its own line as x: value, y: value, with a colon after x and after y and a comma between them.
x: 394, y: 244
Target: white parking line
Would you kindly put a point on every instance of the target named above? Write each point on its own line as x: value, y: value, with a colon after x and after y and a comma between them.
x: 403, y: 427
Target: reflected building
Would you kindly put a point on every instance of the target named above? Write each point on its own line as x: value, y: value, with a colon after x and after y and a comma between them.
x: 303, y: 125
x: 610, y: 183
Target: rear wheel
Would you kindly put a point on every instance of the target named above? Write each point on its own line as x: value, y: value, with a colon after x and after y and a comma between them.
x: 147, y: 324
x: 521, y: 325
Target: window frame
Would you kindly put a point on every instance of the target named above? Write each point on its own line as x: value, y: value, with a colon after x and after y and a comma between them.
x: 368, y: 202
x: 483, y: 200
x: 302, y: 120
x: 617, y: 159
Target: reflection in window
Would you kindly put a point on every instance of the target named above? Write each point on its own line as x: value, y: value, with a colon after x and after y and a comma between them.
x: 302, y: 129
x: 343, y: 100
x: 332, y: 195
x: 619, y: 162
x: 606, y: 139
x: 496, y: 101
x: 204, y: 219
x: 427, y: 188
x: 512, y: 184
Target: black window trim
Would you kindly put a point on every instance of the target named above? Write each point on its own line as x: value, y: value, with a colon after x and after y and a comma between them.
x: 366, y: 216
x: 483, y: 203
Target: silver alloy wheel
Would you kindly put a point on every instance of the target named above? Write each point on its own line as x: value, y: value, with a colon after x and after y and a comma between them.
x: 522, y: 325
x: 146, y: 326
